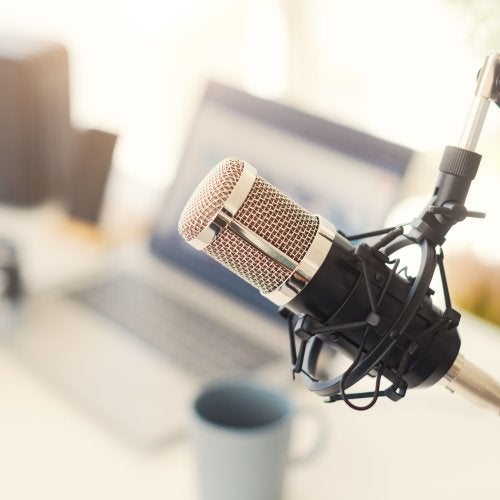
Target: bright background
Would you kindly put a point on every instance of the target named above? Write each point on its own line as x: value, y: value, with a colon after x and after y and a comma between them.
x: 400, y: 70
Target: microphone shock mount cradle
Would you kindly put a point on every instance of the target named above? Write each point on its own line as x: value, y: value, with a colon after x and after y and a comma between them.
x: 378, y: 272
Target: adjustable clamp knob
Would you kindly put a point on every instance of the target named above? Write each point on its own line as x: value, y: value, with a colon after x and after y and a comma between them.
x: 455, y: 212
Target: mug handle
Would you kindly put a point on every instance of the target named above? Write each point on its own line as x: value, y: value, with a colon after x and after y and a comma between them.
x: 317, y: 441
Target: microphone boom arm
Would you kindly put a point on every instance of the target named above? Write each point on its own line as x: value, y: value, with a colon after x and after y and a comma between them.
x: 487, y: 89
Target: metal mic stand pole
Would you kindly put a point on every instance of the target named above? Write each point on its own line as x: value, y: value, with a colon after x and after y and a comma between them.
x: 463, y: 377
x: 487, y: 89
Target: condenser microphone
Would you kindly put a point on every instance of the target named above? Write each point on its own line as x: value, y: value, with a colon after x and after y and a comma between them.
x: 347, y: 296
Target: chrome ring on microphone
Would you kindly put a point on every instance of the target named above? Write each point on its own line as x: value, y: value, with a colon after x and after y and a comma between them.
x: 307, y: 267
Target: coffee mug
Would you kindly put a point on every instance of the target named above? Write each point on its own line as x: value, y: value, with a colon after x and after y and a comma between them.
x: 241, y: 437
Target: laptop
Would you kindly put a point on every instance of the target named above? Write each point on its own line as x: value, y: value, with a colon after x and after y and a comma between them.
x: 134, y: 340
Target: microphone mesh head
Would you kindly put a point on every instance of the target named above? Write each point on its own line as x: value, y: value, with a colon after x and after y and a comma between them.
x: 271, y: 215
x: 209, y: 197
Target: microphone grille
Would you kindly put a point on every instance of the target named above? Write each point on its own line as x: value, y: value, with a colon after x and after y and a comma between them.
x: 278, y: 220
x: 271, y: 216
x: 209, y: 197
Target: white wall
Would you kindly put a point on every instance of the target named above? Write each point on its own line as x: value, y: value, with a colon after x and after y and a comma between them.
x: 401, y: 70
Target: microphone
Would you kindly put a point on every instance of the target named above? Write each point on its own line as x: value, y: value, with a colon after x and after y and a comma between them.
x: 332, y: 292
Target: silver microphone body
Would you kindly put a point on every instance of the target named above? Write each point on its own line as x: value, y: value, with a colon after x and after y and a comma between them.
x: 299, y: 260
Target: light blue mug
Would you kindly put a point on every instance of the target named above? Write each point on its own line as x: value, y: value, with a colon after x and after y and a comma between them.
x: 241, y: 439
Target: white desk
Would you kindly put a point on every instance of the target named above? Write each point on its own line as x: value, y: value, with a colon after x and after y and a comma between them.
x: 430, y: 445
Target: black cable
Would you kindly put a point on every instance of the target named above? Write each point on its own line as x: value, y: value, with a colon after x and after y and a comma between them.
x: 375, y: 394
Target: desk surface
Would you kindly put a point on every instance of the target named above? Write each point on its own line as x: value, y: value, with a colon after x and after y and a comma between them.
x: 429, y: 445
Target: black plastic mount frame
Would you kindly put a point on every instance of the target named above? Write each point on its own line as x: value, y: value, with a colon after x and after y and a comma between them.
x: 428, y: 231
x: 312, y: 334
x: 458, y: 168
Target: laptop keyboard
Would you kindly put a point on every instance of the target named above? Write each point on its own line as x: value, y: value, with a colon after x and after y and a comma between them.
x: 194, y: 342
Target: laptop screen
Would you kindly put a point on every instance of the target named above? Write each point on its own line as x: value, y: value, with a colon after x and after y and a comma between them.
x: 347, y: 176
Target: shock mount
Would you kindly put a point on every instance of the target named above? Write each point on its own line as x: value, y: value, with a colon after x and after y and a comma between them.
x: 446, y: 207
